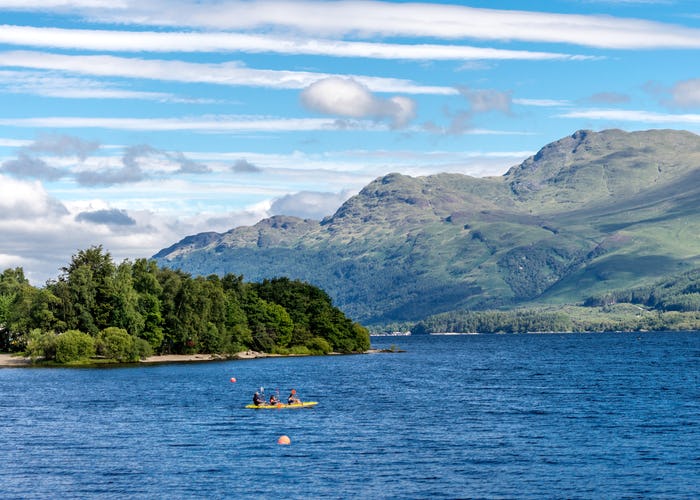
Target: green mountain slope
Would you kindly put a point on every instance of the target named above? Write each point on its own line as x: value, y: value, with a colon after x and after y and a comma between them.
x: 589, y: 213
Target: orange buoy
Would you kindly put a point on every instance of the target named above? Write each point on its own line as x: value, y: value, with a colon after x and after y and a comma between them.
x: 284, y: 440
x: 233, y: 379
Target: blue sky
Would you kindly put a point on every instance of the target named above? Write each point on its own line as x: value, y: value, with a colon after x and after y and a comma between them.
x: 132, y: 124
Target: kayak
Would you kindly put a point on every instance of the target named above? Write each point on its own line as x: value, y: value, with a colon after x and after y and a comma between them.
x: 282, y: 406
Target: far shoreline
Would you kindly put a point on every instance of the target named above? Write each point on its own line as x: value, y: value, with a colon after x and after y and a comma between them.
x: 15, y: 361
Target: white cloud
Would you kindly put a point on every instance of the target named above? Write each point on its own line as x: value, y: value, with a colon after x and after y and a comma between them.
x: 228, y: 73
x: 40, y: 234
x: 633, y: 116
x: 545, y: 103
x: 359, y: 18
x: 13, y: 143
x: 347, y: 98
x: 150, y: 41
x: 227, y: 124
x: 22, y: 200
x: 50, y: 84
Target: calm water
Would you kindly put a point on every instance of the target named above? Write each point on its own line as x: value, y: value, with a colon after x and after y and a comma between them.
x: 506, y: 416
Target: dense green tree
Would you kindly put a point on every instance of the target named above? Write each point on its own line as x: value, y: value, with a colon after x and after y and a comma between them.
x: 125, y: 311
x: 148, y: 288
x: 90, y: 277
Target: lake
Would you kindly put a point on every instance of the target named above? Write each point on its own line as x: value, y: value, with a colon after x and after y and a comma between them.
x: 614, y: 415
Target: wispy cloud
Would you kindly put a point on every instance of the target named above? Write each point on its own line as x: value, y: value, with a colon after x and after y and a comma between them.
x: 309, y: 204
x: 150, y: 41
x: 542, y: 103
x: 609, y: 98
x: 383, y: 19
x: 52, y: 84
x: 228, y: 73
x: 63, y: 145
x: 26, y: 166
x: 633, y: 116
x: 480, y: 101
x: 224, y: 124
x: 244, y: 166
x: 138, y: 163
x: 485, y: 100
x: 686, y: 94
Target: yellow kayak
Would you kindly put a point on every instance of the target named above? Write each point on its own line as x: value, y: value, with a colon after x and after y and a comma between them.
x: 282, y: 406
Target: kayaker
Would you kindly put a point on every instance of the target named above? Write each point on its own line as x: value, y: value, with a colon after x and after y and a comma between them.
x: 273, y: 400
x: 293, y: 399
x: 258, y: 400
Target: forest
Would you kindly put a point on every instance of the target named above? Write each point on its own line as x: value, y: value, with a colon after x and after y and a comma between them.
x: 669, y: 304
x: 100, y: 310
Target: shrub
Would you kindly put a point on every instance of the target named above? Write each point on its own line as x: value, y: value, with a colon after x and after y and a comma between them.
x: 74, y: 345
x: 318, y: 345
x: 41, y: 345
x: 116, y: 343
x: 299, y: 350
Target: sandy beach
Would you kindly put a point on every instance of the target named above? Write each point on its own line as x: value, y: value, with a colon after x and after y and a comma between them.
x: 9, y: 360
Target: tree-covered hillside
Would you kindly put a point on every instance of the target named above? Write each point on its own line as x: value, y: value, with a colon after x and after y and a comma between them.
x: 129, y: 310
x: 590, y: 213
x: 670, y: 304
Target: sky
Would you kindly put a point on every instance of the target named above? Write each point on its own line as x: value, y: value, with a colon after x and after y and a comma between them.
x: 132, y: 124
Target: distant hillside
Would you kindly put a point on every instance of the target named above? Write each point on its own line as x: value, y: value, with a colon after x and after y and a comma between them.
x: 590, y: 213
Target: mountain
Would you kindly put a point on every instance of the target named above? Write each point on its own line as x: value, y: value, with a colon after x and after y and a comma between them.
x: 592, y: 212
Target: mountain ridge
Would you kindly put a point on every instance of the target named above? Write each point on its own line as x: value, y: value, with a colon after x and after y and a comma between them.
x: 570, y: 221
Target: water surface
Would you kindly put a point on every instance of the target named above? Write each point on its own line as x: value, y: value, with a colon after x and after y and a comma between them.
x: 505, y: 416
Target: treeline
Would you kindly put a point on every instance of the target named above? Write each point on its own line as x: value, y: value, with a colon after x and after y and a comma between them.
x: 495, y: 322
x: 679, y: 293
x: 624, y: 317
x: 127, y: 311
x: 671, y: 304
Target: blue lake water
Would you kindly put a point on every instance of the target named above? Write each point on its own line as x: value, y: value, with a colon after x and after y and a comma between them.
x: 495, y: 416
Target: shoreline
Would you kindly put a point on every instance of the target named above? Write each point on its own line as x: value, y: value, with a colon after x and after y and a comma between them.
x: 12, y: 361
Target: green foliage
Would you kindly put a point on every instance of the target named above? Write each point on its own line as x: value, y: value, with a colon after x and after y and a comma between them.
x: 609, y: 317
x: 116, y: 343
x: 517, y: 321
x: 40, y: 345
x: 319, y: 345
x: 680, y: 292
x: 73, y: 345
x: 128, y: 311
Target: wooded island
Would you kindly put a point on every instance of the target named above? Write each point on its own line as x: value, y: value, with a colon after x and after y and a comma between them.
x: 126, y: 312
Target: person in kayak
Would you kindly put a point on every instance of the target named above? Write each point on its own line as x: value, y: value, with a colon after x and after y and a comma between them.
x: 293, y: 399
x: 258, y: 400
x: 273, y: 400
